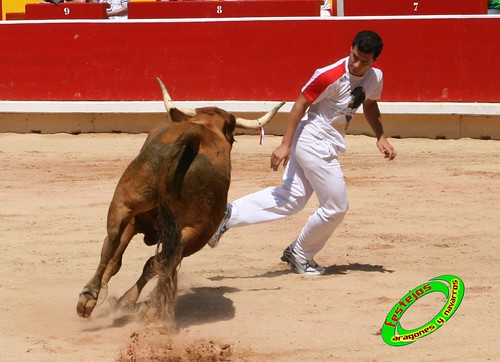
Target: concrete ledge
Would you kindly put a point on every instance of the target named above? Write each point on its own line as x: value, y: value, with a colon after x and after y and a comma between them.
x: 491, y: 109
x: 437, y: 126
x: 428, y: 120
x: 96, y: 107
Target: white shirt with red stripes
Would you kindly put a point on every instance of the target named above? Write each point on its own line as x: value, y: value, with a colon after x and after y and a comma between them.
x: 329, y: 92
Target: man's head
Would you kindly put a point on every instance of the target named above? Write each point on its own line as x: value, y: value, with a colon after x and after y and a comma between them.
x: 366, y: 47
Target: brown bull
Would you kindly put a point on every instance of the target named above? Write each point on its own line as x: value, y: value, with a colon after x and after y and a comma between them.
x: 175, y: 193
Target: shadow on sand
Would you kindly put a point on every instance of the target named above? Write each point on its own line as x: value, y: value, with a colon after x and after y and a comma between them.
x: 204, y: 305
x: 196, y: 306
x: 343, y: 269
x: 330, y: 270
x: 209, y: 304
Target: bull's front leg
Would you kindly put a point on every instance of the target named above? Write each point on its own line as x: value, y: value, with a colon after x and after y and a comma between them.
x: 88, y: 297
x: 115, y: 262
x: 90, y: 293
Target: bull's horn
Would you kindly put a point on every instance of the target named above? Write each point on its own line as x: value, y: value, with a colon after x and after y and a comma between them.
x: 260, y: 122
x: 167, y: 100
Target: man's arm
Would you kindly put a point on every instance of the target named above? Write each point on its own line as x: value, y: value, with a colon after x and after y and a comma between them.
x: 282, y: 152
x: 121, y: 11
x: 118, y: 12
x: 372, y: 115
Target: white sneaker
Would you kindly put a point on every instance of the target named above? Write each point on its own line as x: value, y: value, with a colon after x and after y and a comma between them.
x: 214, y: 240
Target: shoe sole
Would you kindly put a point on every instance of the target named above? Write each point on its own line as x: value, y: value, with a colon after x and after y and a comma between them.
x: 214, y: 240
x: 292, y: 263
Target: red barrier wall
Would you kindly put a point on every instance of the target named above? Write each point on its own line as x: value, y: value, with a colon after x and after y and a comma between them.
x: 424, y: 59
x: 66, y: 11
x: 15, y: 16
x: 223, y: 9
x: 414, y: 7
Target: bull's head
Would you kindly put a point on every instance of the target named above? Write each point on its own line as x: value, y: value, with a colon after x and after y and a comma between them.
x: 178, y: 115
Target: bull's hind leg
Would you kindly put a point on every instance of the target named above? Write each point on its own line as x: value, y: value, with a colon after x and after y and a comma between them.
x: 128, y: 300
x: 118, y: 219
x: 160, y: 304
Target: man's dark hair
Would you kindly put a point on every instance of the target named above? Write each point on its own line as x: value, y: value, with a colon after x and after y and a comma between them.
x: 368, y: 42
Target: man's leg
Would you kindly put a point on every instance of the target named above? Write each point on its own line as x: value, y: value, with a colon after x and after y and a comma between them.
x: 273, y: 203
x: 270, y: 204
x: 327, y: 179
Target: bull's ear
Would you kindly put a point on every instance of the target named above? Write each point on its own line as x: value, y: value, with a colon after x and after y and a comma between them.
x: 229, y: 127
x: 178, y: 116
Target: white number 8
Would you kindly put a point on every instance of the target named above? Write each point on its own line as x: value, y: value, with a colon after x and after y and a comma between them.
x: 219, y: 9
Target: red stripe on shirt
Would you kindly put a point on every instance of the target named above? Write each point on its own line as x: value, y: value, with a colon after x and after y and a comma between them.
x: 318, y: 85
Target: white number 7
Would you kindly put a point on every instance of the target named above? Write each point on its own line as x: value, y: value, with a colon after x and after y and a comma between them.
x: 415, y: 6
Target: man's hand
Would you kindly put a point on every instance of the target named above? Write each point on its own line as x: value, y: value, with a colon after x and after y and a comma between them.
x: 280, y: 154
x: 372, y: 115
x: 385, y: 148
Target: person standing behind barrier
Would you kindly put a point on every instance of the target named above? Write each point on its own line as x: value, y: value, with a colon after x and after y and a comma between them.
x: 118, y: 9
x: 326, y: 9
x: 494, y: 7
x: 313, y: 138
x: 67, y: 1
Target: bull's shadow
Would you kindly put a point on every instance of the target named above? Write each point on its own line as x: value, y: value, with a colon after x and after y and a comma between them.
x: 204, y: 305
x: 197, y: 306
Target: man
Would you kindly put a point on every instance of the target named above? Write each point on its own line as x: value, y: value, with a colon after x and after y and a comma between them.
x: 326, y: 9
x: 67, y: 1
x: 118, y: 9
x: 309, y: 150
x: 494, y: 7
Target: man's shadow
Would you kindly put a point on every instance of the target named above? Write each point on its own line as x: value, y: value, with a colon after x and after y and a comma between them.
x: 209, y: 304
x: 330, y: 270
x: 343, y: 269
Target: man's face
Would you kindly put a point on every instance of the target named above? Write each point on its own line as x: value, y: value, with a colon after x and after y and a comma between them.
x: 359, y: 62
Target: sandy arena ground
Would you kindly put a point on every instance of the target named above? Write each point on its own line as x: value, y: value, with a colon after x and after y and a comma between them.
x: 433, y: 211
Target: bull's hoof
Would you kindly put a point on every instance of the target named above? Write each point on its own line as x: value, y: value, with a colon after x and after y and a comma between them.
x: 148, y: 311
x: 124, y: 306
x: 86, y: 303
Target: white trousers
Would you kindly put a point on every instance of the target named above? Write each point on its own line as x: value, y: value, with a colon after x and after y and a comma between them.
x: 313, y: 167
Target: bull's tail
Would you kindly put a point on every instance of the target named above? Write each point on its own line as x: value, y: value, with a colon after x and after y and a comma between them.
x: 168, y: 259
x: 170, y: 250
x: 186, y: 149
